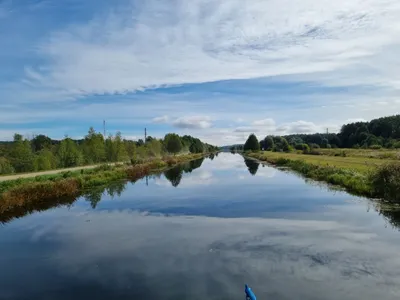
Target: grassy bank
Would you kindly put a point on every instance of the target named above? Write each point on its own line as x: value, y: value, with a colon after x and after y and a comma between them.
x: 71, y: 184
x: 372, y: 177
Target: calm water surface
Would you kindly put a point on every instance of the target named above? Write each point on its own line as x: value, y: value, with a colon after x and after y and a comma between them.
x: 201, y: 231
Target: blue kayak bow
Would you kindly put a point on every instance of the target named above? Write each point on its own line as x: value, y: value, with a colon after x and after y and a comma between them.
x: 249, y: 293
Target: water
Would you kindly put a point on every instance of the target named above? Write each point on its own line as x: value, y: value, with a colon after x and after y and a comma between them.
x: 201, y: 232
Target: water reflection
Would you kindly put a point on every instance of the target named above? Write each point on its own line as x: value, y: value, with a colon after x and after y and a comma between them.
x: 252, y: 165
x: 174, y: 175
x: 93, y: 196
x: 287, y: 239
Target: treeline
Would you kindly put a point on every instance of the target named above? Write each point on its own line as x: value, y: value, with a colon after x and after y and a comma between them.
x: 379, y: 133
x: 42, y: 153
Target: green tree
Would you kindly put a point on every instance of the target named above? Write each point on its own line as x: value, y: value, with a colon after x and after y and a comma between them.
x: 45, y: 160
x: 196, y: 146
x: 93, y: 147
x: 154, y: 148
x: 40, y: 142
x: 252, y: 143
x: 173, y: 143
x: 5, y: 166
x: 68, y: 154
x: 325, y: 143
x: 268, y: 143
x: 21, y: 156
x: 121, y: 154
x: 130, y: 147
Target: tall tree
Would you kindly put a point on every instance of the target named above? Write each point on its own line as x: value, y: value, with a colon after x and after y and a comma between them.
x: 40, y: 142
x: 68, y: 154
x: 94, y: 147
x: 45, y: 160
x: 173, y: 143
x: 268, y: 143
x: 252, y: 143
x: 21, y: 156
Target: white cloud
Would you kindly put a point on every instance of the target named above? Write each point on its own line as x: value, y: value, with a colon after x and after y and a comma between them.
x: 162, y: 119
x: 247, y: 129
x: 264, y: 123
x: 193, y: 122
x: 298, y: 127
x: 157, y: 43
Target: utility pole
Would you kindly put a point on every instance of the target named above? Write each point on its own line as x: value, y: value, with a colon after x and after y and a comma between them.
x: 327, y: 131
x: 104, y: 129
x: 145, y: 135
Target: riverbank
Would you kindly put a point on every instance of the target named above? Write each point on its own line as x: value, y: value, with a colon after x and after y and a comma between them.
x: 370, y: 178
x: 72, y: 183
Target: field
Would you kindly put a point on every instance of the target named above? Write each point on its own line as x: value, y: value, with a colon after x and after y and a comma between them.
x: 362, y: 172
x: 354, y: 159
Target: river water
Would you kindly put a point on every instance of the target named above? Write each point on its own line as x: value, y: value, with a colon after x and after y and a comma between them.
x: 201, y: 231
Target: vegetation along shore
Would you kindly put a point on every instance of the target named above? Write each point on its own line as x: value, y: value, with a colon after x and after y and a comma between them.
x: 131, y: 160
x: 363, y: 158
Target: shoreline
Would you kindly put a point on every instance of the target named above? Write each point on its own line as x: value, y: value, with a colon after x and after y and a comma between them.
x: 351, y: 181
x: 44, y: 188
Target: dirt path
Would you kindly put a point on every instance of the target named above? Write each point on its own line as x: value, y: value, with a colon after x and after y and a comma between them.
x: 27, y: 175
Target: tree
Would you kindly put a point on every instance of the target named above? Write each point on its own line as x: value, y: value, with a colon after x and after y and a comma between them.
x: 325, y: 143
x: 154, y: 148
x: 196, y: 146
x: 252, y: 143
x: 121, y: 154
x: 5, y: 166
x: 93, y: 147
x: 40, y: 142
x: 68, y: 154
x: 173, y: 143
x: 45, y: 160
x: 130, y: 147
x: 283, y: 144
x: 21, y: 156
x: 268, y: 143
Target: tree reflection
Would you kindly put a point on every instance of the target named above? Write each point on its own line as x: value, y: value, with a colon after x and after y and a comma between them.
x: 94, y: 196
x: 174, y: 175
x: 116, y: 189
x: 252, y: 166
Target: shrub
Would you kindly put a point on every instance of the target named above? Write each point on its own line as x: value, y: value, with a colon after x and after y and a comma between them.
x: 376, y: 147
x: 385, y: 181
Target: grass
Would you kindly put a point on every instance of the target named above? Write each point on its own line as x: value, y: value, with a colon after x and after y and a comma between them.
x: 357, y: 163
x: 25, y: 191
x: 369, y: 177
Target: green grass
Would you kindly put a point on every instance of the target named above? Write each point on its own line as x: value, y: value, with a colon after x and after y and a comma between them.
x: 357, y: 163
x: 370, y: 177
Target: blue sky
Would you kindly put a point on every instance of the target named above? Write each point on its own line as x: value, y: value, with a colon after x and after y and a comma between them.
x: 218, y: 70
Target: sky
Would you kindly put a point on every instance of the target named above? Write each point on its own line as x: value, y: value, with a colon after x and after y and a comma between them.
x: 218, y: 70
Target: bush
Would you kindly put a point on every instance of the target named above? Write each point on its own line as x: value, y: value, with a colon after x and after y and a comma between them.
x: 376, y: 147
x: 385, y: 181
x: 5, y: 166
x: 306, y: 149
x: 396, y: 145
x: 314, y: 146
